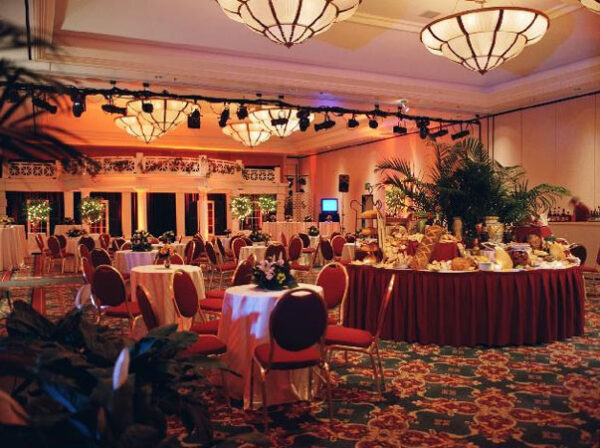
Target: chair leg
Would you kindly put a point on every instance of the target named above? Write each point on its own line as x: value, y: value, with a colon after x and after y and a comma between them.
x: 263, y: 386
x: 251, y: 385
x: 375, y: 374
x: 381, y: 374
x: 329, y: 395
x: 225, y: 389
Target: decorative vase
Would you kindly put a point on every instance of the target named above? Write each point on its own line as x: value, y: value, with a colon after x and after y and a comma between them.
x: 167, y: 262
x: 495, y: 229
x: 457, y: 228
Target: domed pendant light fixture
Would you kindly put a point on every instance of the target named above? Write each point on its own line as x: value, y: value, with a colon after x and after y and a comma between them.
x: 289, y: 22
x: 594, y: 5
x: 164, y: 114
x: 281, y: 122
x: 482, y: 39
x: 247, y: 133
x: 139, y: 128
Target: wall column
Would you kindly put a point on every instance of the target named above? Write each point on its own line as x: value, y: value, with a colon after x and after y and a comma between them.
x: 3, y: 203
x: 85, y: 192
x: 126, y: 214
x: 69, y: 204
x: 180, y: 214
x: 203, y: 214
x: 142, y: 213
x: 229, y: 221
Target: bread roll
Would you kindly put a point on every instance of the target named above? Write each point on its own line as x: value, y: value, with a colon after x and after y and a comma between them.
x: 503, y: 259
x: 425, y: 249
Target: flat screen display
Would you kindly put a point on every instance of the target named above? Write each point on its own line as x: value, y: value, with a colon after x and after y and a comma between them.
x: 329, y: 205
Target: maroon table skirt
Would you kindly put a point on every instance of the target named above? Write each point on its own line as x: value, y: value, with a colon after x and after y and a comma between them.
x: 479, y: 308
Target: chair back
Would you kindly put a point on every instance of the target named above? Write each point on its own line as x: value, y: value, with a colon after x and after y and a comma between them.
x: 295, y: 249
x: 176, y: 259
x: 62, y: 240
x: 333, y: 235
x: 236, y: 246
x: 87, y: 269
x: 221, y: 248
x: 126, y: 245
x: 211, y: 254
x: 143, y: 299
x: 384, y: 306
x: 119, y: 242
x: 305, y: 239
x: 248, y: 241
x: 337, y: 244
x: 243, y: 273
x: 283, y: 239
x: 104, y: 240
x: 580, y: 252
x: 333, y: 278
x: 326, y: 251
x: 40, y: 242
x: 275, y: 252
x: 350, y: 238
x: 54, y: 247
x: 298, y: 321
x: 114, y: 245
x: 88, y: 241
x: 188, y: 251
x: 198, y: 248
x: 84, y: 251
x: 108, y: 286
x: 185, y: 294
x: 99, y: 257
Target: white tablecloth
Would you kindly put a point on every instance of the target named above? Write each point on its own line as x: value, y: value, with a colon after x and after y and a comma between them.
x: 289, y: 229
x: 61, y: 229
x: 327, y: 228
x: 73, y: 246
x: 13, y: 247
x: 258, y: 252
x: 348, y: 252
x: 179, y: 248
x: 126, y: 260
x: 157, y: 280
x: 226, y: 242
x: 244, y: 326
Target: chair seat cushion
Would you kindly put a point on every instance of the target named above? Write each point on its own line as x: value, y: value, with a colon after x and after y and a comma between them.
x: 308, y: 250
x: 299, y: 267
x: 228, y: 266
x: 121, y: 310
x: 211, y: 304
x: 205, y: 345
x: 339, y: 335
x: 209, y: 327
x: 286, y: 360
x: 215, y: 294
x: 589, y: 269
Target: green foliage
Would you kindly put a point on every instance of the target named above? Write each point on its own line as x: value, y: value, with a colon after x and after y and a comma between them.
x: 394, y: 200
x: 267, y: 203
x: 92, y: 210
x: 38, y: 210
x: 241, y: 207
x: 466, y: 182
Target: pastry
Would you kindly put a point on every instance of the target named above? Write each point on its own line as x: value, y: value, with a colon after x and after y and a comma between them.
x: 425, y: 249
x: 503, y: 259
x: 534, y: 241
x: 461, y: 264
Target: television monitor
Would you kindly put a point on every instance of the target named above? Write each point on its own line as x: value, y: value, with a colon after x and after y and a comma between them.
x: 329, y: 205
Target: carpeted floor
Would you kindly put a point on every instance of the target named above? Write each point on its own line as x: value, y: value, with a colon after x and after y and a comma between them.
x: 437, y: 397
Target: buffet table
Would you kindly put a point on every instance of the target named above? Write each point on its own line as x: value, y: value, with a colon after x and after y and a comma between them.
x: 13, y: 247
x: 472, y: 308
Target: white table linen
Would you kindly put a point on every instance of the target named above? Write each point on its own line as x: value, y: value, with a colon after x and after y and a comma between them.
x: 245, y: 325
x: 258, y: 252
x: 13, y: 247
x: 158, y: 280
x: 126, y: 260
x: 289, y: 229
x: 327, y: 228
x: 348, y: 252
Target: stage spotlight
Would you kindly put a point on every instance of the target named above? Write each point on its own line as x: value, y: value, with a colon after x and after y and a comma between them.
x: 303, y: 113
x: 373, y: 123
x: 460, y: 134
x: 224, y: 117
x: 353, y: 122
x: 112, y: 109
x: 78, y: 100
x: 328, y: 123
x: 193, y: 121
x: 304, y: 124
x: 43, y: 104
x: 439, y: 133
x: 422, y: 124
x: 401, y: 130
x: 279, y: 121
x: 242, y: 112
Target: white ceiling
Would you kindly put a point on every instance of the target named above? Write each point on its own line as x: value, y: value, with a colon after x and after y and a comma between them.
x: 374, y: 57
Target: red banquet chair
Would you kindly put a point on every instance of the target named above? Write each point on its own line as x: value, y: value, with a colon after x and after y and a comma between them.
x: 337, y: 244
x: 56, y: 253
x: 145, y: 304
x: 174, y: 259
x: 104, y: 241
x: 284, y: 239
x: 294, y: 343
x: 225, y: 256
x: 213, y: 304
x: 333, y: 278
x: 327, y: 251
x: 217, y: 268
x: 306, y: 249
x: 275, y: 251
x: 236, y: 247
x: 62, y: 240
x: 294, y: 254
x: 186, y: 303
x: 84, y: 251
x: 99, y: 257
x: 88, y: 242
x: 188, y: 251
x: 340, y: 338
x: 126, y: 245
x: 109, y: 295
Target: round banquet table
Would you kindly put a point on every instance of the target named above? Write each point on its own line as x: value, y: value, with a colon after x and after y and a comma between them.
x: 157, y: 279
x: 327, y: 228
x: 13, y: 247
x: 126, y: 260
x: 258, y: 252
x: 468, y: 309
x: 289, y: 229
x: 245, y: 325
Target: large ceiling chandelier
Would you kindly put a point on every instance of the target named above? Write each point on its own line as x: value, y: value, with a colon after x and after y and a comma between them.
x: 594, y: 5
x: 247, y: 133
x: 139, y: 128
x: 281, y: 122
x: 289, y: 22
x: 482, y: 39
x: 164, y: 114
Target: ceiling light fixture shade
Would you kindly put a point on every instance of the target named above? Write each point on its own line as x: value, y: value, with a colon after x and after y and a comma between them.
x: 139, y: 128
x: 166, y: 114
x: 289, y: 22
x: 594, y: 5
x: 281, y: 122
x: 482, y: 39
x: 247, y: 133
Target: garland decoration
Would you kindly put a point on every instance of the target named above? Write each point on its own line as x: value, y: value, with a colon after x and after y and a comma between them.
x: 267, y: 203
x: 241, y: 207
x: 38, y: 210
x: 92, y: 210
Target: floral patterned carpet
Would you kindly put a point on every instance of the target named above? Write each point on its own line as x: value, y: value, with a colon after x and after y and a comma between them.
x: 437, y: 397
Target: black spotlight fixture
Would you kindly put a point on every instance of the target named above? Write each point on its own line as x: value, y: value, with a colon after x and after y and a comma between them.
x: 78, y: 100
x: 353, y: 122
x: 373, y: 123
x: 460, y: 134
x: 12, y: 96
x: 242, y: 112
x: 400, y: 130
x: 422, y: 124
x: 224, y: 117
x: 304, y: 124
x: 194, y: 119
x: 43, y: 104
x: 110, y: 108
x: 439, y: 133
x: 303, y: 113
x: 281, y: 121
x: 148, y: 107
x: 327, y: 123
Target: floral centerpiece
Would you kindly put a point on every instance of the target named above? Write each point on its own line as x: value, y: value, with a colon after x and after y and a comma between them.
x: 164, y: 254
x: 272, y: 218
x: 140, y: 241
x: 308, y: 218
x: 274, y: 275
x: 92, y: 210
x: 74, y: 232
x: 258, y: 237
x: 168, y: 237
x: 38, y: 210
x: 69, y: 221
x: 313, y: 231
x: 6, y: 221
